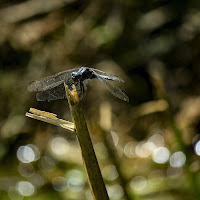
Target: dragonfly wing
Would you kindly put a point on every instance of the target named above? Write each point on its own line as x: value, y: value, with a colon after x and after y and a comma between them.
x: 57, y: 92
x: 108, y: 76
x: 113, y: 89
x: 51, y: 81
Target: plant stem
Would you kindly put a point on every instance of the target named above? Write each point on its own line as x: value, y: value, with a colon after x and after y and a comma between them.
x: 90, y: 162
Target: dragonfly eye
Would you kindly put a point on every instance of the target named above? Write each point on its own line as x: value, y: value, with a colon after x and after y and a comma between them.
x: 75, y: 76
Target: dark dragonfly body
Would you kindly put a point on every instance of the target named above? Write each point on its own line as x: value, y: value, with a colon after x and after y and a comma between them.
x: 52, y: 87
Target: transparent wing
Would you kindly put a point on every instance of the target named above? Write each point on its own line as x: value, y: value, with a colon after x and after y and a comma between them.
x: 51, y: 81
x: 108, y: 76
x: 57, y: 92
x: 112, y: 88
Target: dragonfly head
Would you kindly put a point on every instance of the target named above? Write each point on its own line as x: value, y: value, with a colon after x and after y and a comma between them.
x: 75, y: 76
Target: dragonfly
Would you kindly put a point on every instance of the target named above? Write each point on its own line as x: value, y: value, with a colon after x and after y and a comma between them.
x: 52, y: 87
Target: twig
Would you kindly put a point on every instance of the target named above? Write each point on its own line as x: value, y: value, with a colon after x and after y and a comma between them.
x: 50, y: 118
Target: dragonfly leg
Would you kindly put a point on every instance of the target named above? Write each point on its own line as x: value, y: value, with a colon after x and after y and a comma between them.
x: 82, y: 90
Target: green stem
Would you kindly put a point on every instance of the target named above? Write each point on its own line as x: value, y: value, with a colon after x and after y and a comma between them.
x: 93, y: 172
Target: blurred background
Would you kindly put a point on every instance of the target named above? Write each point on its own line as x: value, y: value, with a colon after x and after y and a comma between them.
x: 149, y: 148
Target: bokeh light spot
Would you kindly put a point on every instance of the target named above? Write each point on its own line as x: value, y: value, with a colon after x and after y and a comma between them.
x: 138, y: 183
x: 160, y: 155
x: 75, y: 180
x: 101, y: 150
x: 115, y: 137
x: 28, y: 153
x: 144, y: 149
x: 110, y: 172
x: 59, y: 183
x: 35, y: 150
x: 37, y: 180
x: 47, y: 163
x: 14, y: 194
x: 197, y: 148
x: 157, y: 139
x: 177, y: 159
x: 115, y: 191
x: 59, y: 146
x: 26, y: 169
x: 25, y: 188
x: 129, y: 149
x: 25, y: 154
x: 88, y: 194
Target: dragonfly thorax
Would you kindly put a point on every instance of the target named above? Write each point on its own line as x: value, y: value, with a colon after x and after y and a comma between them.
x: 82, y: 74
